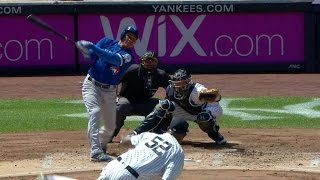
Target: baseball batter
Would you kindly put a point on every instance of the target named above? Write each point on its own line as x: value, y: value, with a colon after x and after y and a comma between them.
x: 111, y: 59
x: 190, y: 101
x: 154, y: 156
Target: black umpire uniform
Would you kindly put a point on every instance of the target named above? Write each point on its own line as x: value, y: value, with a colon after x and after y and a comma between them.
x: 138, y: 86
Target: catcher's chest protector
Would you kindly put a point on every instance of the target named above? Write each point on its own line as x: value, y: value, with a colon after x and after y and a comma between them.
x: 185, y: 103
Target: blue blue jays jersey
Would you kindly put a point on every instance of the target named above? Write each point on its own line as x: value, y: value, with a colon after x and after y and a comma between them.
x: 111, y: 61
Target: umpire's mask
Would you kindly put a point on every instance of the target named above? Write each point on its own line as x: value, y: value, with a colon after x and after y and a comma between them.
x: 149, y: 61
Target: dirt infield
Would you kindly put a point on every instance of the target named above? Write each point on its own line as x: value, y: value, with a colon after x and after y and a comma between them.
x: 273, y: 154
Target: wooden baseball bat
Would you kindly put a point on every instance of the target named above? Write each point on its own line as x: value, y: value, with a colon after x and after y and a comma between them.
x: 47, y: 27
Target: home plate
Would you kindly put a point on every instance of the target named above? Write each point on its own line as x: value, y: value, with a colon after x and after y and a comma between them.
x: 192, y: 160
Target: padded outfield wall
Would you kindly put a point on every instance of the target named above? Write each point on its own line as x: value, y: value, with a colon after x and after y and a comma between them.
x: 207, y: 37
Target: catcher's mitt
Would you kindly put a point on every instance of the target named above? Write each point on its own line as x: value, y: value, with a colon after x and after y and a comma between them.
x: 209, y: 95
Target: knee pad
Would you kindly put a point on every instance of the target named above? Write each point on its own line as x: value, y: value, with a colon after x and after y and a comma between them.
x: 160, y: 112
x: 204, y: 116
x: 163, y: 108
x: 206, y: 122
x: 167, y: 105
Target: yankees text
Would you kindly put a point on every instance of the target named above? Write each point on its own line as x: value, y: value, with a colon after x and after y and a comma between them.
x: 192, y: 8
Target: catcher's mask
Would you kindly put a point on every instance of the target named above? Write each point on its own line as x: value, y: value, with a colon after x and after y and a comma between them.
x: 149, y: 61
x: 181, y: 81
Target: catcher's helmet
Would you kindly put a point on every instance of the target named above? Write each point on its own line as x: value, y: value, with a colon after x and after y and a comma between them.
x: 181, y: 81
x: 130, y: 29
x: 150, y: 60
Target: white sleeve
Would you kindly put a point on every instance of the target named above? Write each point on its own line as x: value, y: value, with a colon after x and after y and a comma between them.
x: 136, y: 139
x: 174, y: 168
x: 194, y: 96
x: 215, y: 109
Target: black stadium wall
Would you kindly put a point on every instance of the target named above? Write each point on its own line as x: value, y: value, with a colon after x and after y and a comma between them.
x: 203, y: 37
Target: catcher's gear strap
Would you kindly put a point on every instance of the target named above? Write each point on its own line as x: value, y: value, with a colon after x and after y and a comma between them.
x: 209, y: 95
x: 160, y: 112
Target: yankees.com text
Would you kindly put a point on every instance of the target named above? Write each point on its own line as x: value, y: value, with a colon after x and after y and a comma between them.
x: 15, y: 50
x: 192, y: 8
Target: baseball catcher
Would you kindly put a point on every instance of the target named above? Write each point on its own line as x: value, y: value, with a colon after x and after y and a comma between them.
x: 186, y: 100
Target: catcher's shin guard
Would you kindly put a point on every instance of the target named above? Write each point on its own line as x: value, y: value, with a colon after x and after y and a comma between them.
x: 154, y: 123
x: 213, y: 132
x: 216, y: 136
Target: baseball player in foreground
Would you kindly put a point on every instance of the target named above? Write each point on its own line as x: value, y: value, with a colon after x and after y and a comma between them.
x: 111, y: 59
x: 138, y: 87
x: 154, y: 156
x: 190, y: 101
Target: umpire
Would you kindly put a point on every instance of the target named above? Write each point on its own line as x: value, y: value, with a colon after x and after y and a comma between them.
x: 138, y: 86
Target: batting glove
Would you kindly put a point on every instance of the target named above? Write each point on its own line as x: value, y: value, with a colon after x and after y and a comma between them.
x: 83, y: 46
x: 85, y: 43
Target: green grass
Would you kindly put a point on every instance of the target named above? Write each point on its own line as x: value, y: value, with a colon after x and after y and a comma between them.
x: 317, y: 108
x: 27, y: 115
x: 287, y: 120
x: 269, y: 102
x: 39, y: 115
x: 295, y: 122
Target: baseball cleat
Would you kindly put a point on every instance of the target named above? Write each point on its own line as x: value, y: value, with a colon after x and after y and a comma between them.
x: 104, y: 149
x: 222, y: 142
x: 220, y: 139
x: 101, y: 157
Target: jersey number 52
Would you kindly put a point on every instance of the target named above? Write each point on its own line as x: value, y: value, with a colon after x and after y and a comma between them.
x: 158, y: 145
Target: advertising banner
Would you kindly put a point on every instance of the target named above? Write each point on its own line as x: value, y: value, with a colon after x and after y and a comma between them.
x: 222, y: 39
x: 24, y: 44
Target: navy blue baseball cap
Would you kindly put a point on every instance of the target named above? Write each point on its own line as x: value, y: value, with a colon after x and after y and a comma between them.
x: 179, y: 126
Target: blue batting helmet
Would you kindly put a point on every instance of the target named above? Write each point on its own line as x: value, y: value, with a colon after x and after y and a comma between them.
x: 130, y: 29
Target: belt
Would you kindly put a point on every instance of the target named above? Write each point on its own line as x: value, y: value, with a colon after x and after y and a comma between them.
x: 132, y: 171
x: 99, y: 84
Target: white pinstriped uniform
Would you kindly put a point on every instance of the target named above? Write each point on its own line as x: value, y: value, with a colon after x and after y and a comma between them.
x: 155, y: 156
x: 214, y: 108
